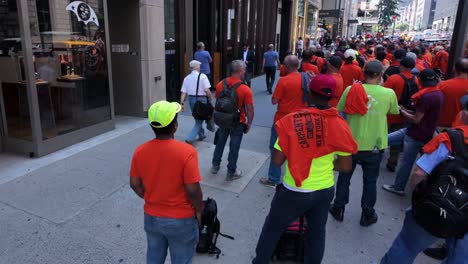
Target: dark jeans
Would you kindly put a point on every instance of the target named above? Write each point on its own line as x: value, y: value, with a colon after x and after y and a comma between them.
x: 234, y: 146
x: 270, y: 76
x: 248, y: 77
x: 288, y: 206
x: 274, y: 173
x: 370, y: 163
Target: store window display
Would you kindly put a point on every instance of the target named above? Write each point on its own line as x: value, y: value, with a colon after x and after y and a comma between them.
x: 70, y: 62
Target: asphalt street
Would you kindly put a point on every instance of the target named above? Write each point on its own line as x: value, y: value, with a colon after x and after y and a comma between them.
x: 79, y: 208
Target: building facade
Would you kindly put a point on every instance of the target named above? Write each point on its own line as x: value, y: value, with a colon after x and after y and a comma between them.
x: 444, y: 18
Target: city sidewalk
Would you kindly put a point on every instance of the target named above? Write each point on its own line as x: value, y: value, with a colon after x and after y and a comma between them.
x: 75, y: 205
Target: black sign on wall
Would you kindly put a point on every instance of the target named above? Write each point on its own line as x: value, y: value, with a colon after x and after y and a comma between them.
x: 329, y: 13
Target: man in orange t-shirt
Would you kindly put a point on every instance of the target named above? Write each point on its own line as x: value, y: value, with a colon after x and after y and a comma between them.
x: 441, y: 60
x: 316, y: 60
x: 288, y: 96
x: 349, y: 71
x: 306, y: 65
x: 246, y: 109
x: 453, y: 90
x: 164, y: 172
x: 397, y: 122
x: 334, y: 65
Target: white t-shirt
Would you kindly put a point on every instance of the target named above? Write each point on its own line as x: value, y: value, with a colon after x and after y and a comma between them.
x: 189, y: 86
x: 300, y: 44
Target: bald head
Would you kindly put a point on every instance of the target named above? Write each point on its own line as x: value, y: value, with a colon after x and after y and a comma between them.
x: 461, y: 66
x: 291, y: 62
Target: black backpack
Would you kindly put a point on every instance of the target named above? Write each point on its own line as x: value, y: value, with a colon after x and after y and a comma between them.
x: 410, y: 89
x: 440, y: 203
x: 226, y: 113
x: 210, y: 229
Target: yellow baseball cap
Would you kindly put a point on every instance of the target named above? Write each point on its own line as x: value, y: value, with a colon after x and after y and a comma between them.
x: 163, y: 112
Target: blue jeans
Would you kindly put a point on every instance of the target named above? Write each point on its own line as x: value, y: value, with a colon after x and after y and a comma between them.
x: 274, y: 173
x: 288, y: 206
x: 179, y: 235
x: 413, y: 239
x: 370, y: 163
x: 197, y: 129
x: 411, y: 149
x: 234, y: 146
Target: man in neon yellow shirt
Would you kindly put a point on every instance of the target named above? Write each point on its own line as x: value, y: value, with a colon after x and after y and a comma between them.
x: 370, y: 132
x: 308, y: 141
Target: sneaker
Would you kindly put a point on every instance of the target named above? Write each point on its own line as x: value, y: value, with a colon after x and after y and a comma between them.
x: 391, y: 168
x: 337, y: 213
x: 391, y: 188
x: 367, y: 220
x: 189, y: 142
x: 201, y: 138
x: 214, y: 169
x: 439, y: 253
x: 234, y: 176
x: 267, y: 182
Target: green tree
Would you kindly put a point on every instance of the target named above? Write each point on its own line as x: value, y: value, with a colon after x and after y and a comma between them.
x: 403, y: 27
x: 387, y: 9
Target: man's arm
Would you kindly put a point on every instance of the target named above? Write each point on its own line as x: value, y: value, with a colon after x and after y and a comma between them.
x: 209, y: 95
x: 182, y: 100
x: 413, y: 118
x: 209, y: 56
x: 418, y: 176
x: 249, y: 108
x: 137, y: 186
x: 263, y: 62
x: 195, y: 196
x: 343, y: 164
x: 278, y: 158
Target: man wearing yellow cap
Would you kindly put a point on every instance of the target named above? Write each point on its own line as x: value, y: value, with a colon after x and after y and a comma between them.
x: 165, y: 173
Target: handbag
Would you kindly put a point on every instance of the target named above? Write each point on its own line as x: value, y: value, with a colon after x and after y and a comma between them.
x: 202, y: 111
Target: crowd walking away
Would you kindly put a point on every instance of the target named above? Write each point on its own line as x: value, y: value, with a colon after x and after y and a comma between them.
x: 339, y: 104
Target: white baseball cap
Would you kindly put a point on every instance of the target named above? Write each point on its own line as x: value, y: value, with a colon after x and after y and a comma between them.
x: 349, y: 53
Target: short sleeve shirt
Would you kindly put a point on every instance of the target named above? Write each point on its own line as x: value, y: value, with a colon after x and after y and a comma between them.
x: 244, y: 95
x: 164, y: 167
x: 189, y: 86
x: 371, y: 129
x: 397, y: 84
x: 351, y: 73
x: 204, y: 57
x: 320, y: 173
x: 271, y: 58
x: 453, y: 90
x: 289, y: 94
x: 431, y: 105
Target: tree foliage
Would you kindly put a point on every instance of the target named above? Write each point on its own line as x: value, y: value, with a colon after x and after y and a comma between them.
x: 402, y: 26
x: 387, y: 9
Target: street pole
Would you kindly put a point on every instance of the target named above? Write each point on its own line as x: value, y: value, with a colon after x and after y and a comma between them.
x: 393, y: 31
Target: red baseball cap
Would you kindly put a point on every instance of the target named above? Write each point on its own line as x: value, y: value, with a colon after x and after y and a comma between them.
x: 323, y: 84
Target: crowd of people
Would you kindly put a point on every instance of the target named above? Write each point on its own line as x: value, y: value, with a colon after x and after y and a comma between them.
x: 337, y: 107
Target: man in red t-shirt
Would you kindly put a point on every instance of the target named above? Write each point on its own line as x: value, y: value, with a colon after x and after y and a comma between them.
x: 334, y: 65
x: 164, y: 172
x: 288, y: 96
x: 246, y: 109
x: 349, y: 71
x: 396, y: 122
x: 453, y: 90
x: 441, y: 60
x: 306, y: 65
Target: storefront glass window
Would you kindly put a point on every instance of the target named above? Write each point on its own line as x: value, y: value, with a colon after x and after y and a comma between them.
x: 14, y: 107
x: 70, y: 62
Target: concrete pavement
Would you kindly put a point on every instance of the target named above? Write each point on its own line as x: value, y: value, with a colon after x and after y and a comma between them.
x: 75, y: 206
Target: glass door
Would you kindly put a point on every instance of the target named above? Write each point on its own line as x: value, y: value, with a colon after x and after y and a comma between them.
x: 14, y: 101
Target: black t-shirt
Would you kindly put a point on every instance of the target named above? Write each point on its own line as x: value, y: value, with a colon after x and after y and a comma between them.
x: 391, y: 71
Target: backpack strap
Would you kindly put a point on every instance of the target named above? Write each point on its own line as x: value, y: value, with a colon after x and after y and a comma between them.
x: 403, y: 77
x: 305, y: 88
x: 198, y: 82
